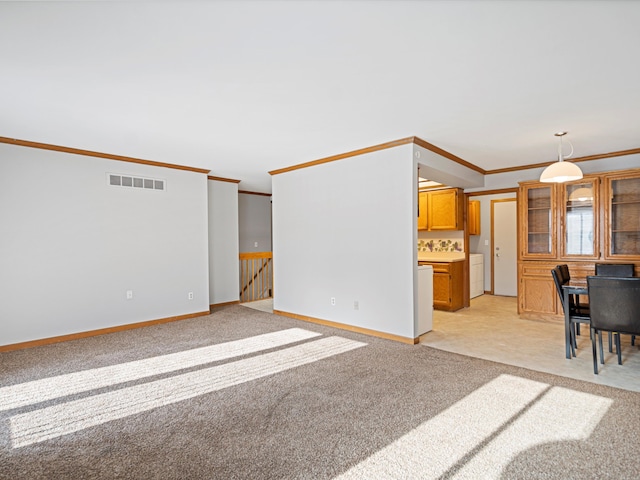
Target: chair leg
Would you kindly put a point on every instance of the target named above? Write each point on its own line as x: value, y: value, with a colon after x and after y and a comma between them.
x: 593, y: 350
x: 577, y: 329
x: 618, y: 349
x: 572, y: 339
x: 600, y: 343
x: 610, y: 346
x: 633, y: 340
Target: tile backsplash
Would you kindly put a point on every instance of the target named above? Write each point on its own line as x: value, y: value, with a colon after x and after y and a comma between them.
x: 440, y: 245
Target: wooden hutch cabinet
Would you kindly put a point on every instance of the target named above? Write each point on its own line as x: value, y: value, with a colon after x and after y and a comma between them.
x: 537, y: 209
x: 622, y: 215
x: 594, y: 219
x: 579, y: 219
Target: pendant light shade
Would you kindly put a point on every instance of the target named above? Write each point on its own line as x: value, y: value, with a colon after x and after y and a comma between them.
x: 582, y: 194
x: 561, y: 171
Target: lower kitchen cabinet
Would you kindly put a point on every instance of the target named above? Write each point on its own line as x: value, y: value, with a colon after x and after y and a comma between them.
x: 448, y: 288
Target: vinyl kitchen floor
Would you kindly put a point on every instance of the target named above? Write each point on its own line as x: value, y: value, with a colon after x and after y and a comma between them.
x: 491, y: 329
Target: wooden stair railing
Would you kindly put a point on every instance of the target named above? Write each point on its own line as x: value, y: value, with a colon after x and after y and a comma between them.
x: 256, y: 276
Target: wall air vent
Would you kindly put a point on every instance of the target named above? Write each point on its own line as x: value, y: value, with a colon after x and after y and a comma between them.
x: 120, y: 180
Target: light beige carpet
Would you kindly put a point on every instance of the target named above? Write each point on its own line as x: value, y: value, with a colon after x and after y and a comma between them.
x: 246, y: 394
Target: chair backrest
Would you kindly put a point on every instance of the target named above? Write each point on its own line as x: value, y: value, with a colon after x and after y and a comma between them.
x: 564, y: 269
x: 614, y: 269
x: 558, y: 280
x: 615, y: 303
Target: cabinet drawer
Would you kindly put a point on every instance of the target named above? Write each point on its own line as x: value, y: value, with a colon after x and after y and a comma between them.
x: 441, y: 268
x: 537, y: 270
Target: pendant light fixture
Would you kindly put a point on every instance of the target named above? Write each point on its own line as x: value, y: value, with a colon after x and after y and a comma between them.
x: 581, y: 194
x: 561, y: 171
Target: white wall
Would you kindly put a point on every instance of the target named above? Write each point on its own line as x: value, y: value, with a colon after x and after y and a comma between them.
x: 347, y: 229
x: 224, y: 270
x: 71, y: 245
x: 254, y: 218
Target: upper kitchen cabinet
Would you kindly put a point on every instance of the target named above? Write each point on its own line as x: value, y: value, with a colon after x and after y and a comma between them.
x: 445, y: 209
x: 440, y: 209
x: 473, y: 214
x: 622, y: 216
x: 579, y: 219
x: 538, y: 220
x: 422, y: 210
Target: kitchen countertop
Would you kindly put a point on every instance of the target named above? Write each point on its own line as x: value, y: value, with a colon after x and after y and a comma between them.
x: 441, y: 257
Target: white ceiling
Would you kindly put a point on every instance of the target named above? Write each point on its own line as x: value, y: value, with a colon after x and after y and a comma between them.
x: 244, y: 87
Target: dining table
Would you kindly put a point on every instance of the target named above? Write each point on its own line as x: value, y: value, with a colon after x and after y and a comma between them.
x: 575, y: 287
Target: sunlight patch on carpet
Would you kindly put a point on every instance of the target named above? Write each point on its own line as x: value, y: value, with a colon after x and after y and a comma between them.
x: 560, y: 415
x: 509, y: 414
x: 72, y: 416
x: 15, y: 396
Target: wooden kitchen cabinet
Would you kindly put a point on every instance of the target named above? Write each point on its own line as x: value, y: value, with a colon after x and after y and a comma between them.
x: 441, y: 209
x: 422, y: 210
x: 444, y: 210
x: 448, y: 278
x: 473, y: 214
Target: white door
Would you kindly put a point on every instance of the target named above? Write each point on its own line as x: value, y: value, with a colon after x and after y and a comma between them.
x: 505, y: 249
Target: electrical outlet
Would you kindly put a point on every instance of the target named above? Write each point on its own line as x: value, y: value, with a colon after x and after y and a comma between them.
x: 190, y: 295
x: 333, y: 301
x: 129, y: 294
x: 255, y: 244
x: 356, y: 305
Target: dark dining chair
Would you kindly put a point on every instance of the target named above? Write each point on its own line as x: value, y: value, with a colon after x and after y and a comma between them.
x: 616, y: 270
x: 615, y: 307
x: 566, y: 277
x: 564, y: 269
x: 577, y: 314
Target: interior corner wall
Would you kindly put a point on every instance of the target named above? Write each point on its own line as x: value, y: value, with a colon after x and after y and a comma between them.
x: 224, y: 269
x: 254, y: 219
x: 72, y: 245
x: 347, y: 230
x: 435, y: 167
